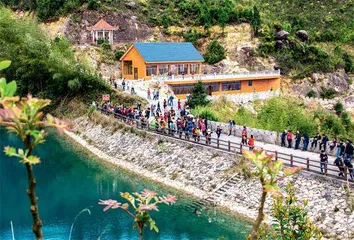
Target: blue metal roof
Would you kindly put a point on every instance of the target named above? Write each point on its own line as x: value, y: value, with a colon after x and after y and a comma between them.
x: 168, y: 52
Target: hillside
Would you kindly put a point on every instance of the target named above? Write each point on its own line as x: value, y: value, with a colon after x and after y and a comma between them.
x: 311, y: 41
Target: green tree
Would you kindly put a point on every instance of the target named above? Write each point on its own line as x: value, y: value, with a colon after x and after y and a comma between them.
x: 291, y: 220
x: 25, y: 118
x: 256, y: 20
x: 349, y: 65
x: 269, y: 173
x: 142, y: 203
x: 198, y: 96
x: 215, y: 52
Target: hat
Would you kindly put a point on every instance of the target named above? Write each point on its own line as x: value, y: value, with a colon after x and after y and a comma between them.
x: 209, y: 130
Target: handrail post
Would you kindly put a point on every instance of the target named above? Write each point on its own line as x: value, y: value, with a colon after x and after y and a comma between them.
x: 241, y: 148
x: 217, y: 143
x: 291, y: 160
x: 308, y: 164
x: 326, y: 164
x: 229, y: 145
x: 345, y: 172
x: 276, y: 155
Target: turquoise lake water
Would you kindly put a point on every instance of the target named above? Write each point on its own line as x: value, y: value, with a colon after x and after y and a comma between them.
x: 69, y: 180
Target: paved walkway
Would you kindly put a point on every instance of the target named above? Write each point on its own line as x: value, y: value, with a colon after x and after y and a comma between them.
x: 298, y: 155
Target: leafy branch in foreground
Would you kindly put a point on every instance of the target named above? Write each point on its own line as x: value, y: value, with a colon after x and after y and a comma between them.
x: 24, y: 117
x: 291, y: 220
x: 142, y: 203
x: 269, y: 173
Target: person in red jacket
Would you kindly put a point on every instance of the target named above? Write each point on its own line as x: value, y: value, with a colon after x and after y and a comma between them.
x: 251, y: 143
x: 179, y: 104
x: 289, y: 137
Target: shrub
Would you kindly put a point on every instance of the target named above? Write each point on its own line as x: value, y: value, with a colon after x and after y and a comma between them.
x: 338, y: 107
x: 215, y: 52
x: 328, y: 93
x: 311, y: 94
x: 105, y: 45
x: 93, y: 4
x: 208, y: 114
x: 349, y: 66
x: 119, y: 54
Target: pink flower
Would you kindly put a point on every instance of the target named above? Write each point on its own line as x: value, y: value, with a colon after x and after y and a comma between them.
x: 110, y: 204
x: 148, y: 193
x: 148, y: 207
x: 169, y: 199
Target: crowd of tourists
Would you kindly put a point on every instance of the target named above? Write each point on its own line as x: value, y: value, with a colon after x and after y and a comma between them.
x: 166, y: 120
x: 343, y: 150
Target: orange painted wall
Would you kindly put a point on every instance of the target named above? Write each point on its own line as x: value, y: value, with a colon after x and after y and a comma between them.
x: 138, y: 62
x: 258, y: 85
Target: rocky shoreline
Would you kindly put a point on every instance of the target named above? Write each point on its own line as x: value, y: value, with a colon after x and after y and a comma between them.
x: 200, y: 171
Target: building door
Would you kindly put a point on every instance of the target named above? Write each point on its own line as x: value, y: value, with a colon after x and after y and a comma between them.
x: 135, y: 73
x: 210, y: 90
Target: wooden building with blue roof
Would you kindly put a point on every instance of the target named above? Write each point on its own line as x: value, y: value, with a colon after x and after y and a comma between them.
x: 148, y: 60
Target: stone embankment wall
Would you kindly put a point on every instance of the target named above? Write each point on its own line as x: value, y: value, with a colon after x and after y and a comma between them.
x: 200, y: 171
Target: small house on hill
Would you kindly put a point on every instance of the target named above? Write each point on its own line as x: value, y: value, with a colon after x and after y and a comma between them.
x: 102, y: 30
x: 146, y: 60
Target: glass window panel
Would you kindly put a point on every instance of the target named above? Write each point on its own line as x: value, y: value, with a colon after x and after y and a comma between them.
x: 194, y: 68
x: 182, y: 69
x: 128, y: 67
x: 151, y: 70
x: 231, y: 86
x: 250, y: 83
x: 163, y: 69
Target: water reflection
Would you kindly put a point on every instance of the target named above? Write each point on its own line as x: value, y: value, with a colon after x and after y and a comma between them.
x: 68, y: 180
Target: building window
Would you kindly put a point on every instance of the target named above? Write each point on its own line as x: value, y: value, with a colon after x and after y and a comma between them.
x: 250, y: 83
x: 151, y: 70
x: 194, y: 68
x: 163, y: 69
x: 173, y: 69
x: 128, y: 67
x: 182, y: 89
x: 182, y: 69
x: 230, y: 86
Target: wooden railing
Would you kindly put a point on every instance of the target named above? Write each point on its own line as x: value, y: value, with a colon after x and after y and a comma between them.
x: 307, y: 164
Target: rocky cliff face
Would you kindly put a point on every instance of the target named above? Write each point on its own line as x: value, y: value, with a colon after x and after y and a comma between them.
x: 130, y: 29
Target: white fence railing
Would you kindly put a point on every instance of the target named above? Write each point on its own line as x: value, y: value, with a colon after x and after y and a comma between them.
x: 216, y: 76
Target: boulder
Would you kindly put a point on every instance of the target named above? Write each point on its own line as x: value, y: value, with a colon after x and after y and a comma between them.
x: 131, y: 5
x: 303, y: 35
x: 278, y: 45
x: 281, y: 35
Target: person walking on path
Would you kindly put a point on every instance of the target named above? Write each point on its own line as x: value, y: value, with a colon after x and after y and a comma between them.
x: 349, y: 165
x: 171, y: 101
x: 208, y: 137
x: 179, y: 104
x: 123, y: 84
x: 244, y: 136
x: 324, y: 160
x: 282, y: 138
x: 305, y: 142
x: 349, y: 150
x: 218, y: 131
x: 314, y: 141
x: 230, y: 127
x: 251, y: 143
x: 148, y: 94
x: 297, y: 139
x: 289, y: 138
x: 340, y: 145
x: 339, y: 163
x: 324, y: 142
x: 164, y: 104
